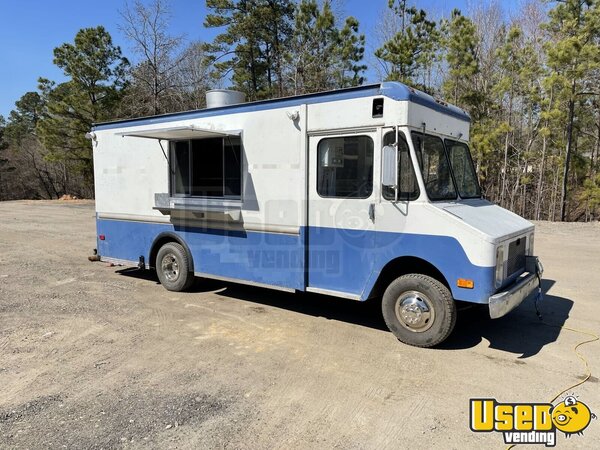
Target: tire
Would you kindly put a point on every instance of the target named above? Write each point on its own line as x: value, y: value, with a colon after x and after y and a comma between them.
x: 419, y: 310
x: 173, y: 267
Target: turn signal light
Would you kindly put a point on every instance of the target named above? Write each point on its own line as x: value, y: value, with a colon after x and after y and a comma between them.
x: 465, y: 283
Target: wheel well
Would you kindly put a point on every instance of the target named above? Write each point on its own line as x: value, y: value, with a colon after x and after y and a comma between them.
x: 163, y: 239
x: 403, y: 266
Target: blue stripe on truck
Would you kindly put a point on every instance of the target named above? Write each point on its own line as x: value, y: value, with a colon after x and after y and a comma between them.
x: 363, y: 254
x: 269, y: 258
x: 339, y: 259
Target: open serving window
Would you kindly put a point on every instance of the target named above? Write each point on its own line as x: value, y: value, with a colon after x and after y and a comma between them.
x: 205, y: 170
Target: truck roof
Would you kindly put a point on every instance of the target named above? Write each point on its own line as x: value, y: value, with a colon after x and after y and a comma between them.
x: 391, y: 89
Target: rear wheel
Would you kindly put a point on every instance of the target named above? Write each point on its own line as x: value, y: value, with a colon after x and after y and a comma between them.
x: 173, y: 267
x: 419, y: 310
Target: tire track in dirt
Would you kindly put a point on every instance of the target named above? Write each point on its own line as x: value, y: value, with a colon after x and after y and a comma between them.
x: 4, y: 341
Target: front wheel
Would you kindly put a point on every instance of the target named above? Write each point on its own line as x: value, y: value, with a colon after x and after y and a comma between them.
x: 419, y: 310
x: 173, y: 267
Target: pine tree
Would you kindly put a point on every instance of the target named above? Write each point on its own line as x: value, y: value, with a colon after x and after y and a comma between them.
x: 461, y: 86
x: 251, y: 47
x: 510, y: 63
x: 460, y: 39
x: 351, y: 50
x: 96, y: 71
x: 572, y: 56
x: 322, y: 56
x: 37, y: 172
x: 23, y: 120
x: 412, y: 50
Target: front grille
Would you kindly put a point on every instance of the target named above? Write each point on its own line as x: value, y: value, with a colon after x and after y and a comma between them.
x: 516, y: 256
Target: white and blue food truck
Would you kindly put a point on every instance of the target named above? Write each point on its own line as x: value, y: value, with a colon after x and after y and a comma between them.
x: 367, y: 192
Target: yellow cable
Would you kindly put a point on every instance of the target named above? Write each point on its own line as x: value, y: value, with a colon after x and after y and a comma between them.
x: 588, y: 375
x: 595, y: 337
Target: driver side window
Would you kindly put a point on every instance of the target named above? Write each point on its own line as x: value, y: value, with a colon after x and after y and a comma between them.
x: 408, y: 188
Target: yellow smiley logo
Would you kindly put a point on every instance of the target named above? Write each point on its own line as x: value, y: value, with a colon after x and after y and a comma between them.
x: 572, y: 416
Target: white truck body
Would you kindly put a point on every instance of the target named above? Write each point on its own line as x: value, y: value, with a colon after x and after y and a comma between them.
x: 296, y: 222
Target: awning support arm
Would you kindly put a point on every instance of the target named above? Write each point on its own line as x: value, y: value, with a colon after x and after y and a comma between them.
x: 166, y: 158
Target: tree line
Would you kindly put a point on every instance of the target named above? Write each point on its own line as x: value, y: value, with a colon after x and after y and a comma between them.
x: 531, y: 84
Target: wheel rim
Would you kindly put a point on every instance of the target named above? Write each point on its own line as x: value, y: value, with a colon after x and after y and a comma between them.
x: 415, y: 311
x: 170, y: 267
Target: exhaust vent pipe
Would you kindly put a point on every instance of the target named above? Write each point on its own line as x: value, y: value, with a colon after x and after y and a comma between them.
x: 216, y: 98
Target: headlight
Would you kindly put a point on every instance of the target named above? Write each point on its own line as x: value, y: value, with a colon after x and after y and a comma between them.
x: 530, y: 245
x: 499, y: 265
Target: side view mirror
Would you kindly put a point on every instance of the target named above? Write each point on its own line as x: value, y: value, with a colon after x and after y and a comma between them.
x: 389, y: 169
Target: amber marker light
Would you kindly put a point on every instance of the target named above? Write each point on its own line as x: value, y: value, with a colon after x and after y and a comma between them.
x: 465, y: 283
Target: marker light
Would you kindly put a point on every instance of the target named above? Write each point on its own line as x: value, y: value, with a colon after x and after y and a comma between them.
x: 530, y: 245
x: 101, y: 237
x: 465, y: 283
x: 499, y: 265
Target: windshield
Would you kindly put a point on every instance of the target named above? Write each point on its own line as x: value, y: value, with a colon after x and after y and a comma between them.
x: 434, y: 165
x: 463, y: 169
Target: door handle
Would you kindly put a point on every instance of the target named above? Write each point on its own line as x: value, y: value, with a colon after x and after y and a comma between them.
x: 372, y: 212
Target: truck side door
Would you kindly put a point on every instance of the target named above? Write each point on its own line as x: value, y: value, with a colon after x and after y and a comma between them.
x: 341, y: 208
x: 396, y: 207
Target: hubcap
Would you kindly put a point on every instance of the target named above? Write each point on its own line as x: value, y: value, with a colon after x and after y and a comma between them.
x: 170, y: 267
x: 415, y: 311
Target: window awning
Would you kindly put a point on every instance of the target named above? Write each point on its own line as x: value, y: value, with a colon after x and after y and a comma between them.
x: 175, y: 133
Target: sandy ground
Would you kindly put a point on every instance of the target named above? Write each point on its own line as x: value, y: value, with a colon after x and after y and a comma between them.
x: 100, y: 357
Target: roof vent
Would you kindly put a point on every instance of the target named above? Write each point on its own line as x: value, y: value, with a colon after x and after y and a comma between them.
x: 216, y: 98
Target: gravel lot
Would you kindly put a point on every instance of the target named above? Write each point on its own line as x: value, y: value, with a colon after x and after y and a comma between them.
x: 93, y: 356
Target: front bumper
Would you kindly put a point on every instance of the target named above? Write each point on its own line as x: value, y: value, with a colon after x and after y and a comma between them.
x: 503, y: 302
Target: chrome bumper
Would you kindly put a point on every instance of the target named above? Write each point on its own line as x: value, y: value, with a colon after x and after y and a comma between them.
x: 504, y: 302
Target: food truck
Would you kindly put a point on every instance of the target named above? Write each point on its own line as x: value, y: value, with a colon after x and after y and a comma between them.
x: 366, y: 192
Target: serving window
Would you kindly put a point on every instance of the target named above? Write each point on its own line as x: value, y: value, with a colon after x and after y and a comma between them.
x: 210, y: 167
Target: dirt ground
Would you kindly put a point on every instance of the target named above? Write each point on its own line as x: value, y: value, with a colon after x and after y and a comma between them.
x: 93, y: 356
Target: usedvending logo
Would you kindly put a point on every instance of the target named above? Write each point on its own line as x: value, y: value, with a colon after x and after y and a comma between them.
x: 530, y: 423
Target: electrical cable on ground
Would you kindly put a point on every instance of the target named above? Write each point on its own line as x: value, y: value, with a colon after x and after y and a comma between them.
x: 594, y: 337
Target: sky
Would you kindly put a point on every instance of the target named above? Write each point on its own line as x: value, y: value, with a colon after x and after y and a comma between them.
x: 31, y: 29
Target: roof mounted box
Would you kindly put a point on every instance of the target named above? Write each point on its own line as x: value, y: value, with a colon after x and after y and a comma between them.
x: 217, y: 98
